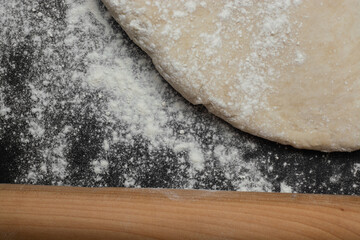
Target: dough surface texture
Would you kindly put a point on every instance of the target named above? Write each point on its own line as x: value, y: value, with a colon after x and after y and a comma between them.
x: 284, y: 70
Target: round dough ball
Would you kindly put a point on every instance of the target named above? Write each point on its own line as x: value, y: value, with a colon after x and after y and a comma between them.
x: 284, y: 70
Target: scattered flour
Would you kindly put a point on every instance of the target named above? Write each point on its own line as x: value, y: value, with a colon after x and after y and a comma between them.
x: 356, y: 168
x: 95, y: 102
x: 284, y: 188
x: 137, y: 99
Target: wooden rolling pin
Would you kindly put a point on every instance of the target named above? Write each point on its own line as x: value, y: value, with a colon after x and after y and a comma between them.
x: 41, y: 212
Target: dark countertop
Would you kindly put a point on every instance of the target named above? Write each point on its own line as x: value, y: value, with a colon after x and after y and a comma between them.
x: 42, y: 45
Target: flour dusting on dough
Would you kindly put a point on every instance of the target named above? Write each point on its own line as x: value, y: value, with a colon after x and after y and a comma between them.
x: 253, y: 63
x: 208, y: 51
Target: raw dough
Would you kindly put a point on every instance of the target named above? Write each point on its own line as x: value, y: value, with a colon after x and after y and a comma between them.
x: 284, y: 70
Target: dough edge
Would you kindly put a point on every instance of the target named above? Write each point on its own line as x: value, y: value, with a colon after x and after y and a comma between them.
x: 300, y: 140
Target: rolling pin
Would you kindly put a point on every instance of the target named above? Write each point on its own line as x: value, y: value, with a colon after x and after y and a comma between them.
x: 47, y: 212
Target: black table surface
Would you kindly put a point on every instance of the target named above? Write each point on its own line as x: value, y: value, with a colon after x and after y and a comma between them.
x: 35, y: 55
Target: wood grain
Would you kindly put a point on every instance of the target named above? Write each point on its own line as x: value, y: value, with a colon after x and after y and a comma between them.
x: 42, y: 212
